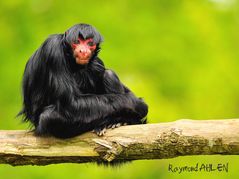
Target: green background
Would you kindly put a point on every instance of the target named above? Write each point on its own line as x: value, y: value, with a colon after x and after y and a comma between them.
x: 180, y: 55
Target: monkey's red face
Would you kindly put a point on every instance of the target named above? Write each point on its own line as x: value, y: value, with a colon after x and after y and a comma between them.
x: 83, y: 50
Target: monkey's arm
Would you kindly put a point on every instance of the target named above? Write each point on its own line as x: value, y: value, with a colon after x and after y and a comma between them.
x: 113, y: 85
x: 95, y: 107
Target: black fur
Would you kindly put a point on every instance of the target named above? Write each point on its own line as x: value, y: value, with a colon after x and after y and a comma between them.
x: 64, y: 99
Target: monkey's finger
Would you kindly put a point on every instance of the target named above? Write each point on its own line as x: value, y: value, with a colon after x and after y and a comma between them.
x: 97, y: 131
x: 102, y: 132
x: 118, y: 124
x: 109, y: 126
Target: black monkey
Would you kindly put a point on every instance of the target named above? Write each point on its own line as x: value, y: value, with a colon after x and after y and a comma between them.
x: 67, y: 90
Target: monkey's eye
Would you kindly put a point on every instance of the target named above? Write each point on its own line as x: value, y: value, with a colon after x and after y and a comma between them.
x: 74, y: 45
x: 91, y: 43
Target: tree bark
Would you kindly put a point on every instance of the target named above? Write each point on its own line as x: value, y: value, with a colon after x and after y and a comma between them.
x: 137, y: 142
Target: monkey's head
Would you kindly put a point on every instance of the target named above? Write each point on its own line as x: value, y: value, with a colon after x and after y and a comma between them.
x: 84, y: 41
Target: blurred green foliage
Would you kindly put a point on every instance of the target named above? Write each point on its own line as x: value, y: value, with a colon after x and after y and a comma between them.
x: 180, y: 55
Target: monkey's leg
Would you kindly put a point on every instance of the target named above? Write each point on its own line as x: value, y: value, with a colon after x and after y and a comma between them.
x: 51, y: 122
x: 113, y: 85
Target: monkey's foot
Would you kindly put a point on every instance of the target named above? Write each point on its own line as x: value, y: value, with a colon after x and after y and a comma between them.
x: 112, y: 126
x: 102, y: 130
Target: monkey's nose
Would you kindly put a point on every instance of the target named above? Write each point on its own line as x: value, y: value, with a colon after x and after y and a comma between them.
x: 83, y: 52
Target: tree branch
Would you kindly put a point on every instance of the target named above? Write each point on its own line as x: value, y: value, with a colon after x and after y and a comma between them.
x: 150, y: 141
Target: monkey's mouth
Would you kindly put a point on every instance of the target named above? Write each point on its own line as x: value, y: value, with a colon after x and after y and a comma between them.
x: 82, y: 61
x: 82, y: 55
x: 82, y: 58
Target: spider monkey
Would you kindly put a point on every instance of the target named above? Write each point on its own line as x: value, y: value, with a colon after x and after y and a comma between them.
x: 67, y: 90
